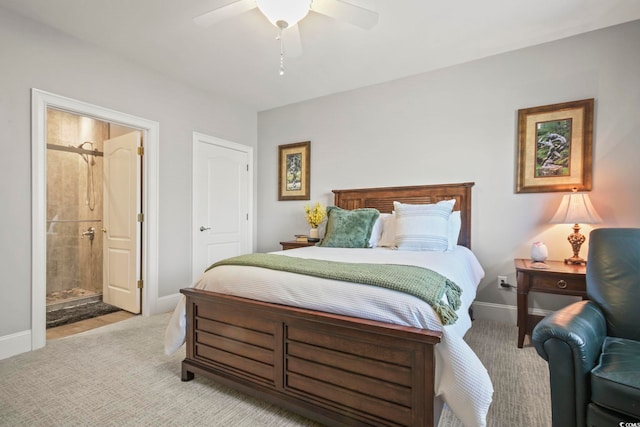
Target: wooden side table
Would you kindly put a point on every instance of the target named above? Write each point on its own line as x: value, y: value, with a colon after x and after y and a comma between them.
x: 293, y: 244
x: 559, y: 278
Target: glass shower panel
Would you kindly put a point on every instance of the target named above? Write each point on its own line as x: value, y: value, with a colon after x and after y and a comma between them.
x: 74, y: 207
x: 74, y: 261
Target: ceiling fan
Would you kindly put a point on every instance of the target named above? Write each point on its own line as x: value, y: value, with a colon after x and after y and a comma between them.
x: 285, y: 15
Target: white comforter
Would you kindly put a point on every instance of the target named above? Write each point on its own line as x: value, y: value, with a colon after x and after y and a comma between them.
x: 461, y: 379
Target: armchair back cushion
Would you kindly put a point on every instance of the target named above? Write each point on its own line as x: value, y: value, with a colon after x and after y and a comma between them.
x: 613, y: 279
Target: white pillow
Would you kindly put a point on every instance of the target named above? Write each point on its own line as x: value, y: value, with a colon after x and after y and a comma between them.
x: 455, y: 224
x: 376, y: 232
x: 423, y: 227
x: 388, y: 236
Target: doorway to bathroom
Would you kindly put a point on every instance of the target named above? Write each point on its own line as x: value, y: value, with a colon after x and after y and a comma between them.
x: 93, y: 183
x: 152, y: 302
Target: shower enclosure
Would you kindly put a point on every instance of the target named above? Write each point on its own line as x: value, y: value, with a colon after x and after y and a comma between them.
x: 74, y: 210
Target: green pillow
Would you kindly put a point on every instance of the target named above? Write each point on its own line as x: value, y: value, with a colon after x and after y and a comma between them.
x: 349, y: 228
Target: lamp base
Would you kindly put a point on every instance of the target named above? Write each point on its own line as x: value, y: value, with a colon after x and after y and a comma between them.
x: 576, y: 239
x: 575, y: 260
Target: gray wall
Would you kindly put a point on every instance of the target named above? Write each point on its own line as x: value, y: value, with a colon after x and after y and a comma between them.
x: 460, y: 124
x: 38, y: 57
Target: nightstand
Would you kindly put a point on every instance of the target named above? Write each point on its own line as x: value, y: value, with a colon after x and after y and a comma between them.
x: 293, y: 244
x: 559, y: 278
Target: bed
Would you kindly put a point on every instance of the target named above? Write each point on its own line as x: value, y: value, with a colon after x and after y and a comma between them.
x: 332, y: 364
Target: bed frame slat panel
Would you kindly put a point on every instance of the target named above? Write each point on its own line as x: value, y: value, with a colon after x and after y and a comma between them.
x: 237, y: 333
x: 243, y: 349
x: 397, y: 374
x: 234, y: 363
x: 346, y: 345
x: 365, y: 406
x: 239, y: 318
x: 386, y: 205
x: 349, y: 380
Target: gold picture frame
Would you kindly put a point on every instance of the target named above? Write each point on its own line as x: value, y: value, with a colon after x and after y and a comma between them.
x: 294, y: 170
x: 555, y: 147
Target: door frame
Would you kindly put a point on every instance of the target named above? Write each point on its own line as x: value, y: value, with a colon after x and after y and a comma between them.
x: 40, y: 102
x: 200, y: 138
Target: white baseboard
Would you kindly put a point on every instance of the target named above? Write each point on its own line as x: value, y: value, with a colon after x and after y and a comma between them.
x: 166, y: 304
x: 13, y: 344
x: 501, y: 312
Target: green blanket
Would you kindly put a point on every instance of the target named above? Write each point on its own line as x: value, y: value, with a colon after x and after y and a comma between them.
x: 417, y: 281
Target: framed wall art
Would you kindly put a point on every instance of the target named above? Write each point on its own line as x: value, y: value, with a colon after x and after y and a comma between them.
x: 294, y: 171
x: 555, y: 147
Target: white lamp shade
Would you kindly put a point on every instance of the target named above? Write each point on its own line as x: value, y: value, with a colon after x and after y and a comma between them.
x: 576, y: 208
x: 287, y: 11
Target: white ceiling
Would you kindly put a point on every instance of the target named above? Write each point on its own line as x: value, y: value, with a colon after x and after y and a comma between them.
x: 239, y: 58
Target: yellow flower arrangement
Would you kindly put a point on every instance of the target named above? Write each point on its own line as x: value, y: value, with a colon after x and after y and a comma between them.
x: 316, y: 214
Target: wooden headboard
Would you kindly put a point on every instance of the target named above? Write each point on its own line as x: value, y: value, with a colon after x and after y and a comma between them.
x: 383, y: 198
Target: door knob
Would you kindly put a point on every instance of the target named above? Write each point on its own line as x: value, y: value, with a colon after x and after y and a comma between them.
x: 203, y: 228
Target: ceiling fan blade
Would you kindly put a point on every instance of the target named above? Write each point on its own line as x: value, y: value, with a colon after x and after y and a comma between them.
x: 224, y: 12
x: 355, y: 15
x: 292, y: 42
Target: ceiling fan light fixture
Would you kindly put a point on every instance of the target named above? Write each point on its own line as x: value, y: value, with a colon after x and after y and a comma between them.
x: 284, y: 13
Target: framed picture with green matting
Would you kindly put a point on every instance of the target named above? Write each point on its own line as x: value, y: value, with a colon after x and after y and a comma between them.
x: 555, y: 147
x: 294, y: 171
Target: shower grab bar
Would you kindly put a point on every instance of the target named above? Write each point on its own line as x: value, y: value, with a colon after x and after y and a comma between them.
x: 75, y: 150
x: 74, y: 220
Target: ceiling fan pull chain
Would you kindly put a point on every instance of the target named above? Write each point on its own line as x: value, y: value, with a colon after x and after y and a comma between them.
x: 279, y: 38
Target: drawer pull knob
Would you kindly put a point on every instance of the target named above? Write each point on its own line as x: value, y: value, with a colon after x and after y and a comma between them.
x: 562, y: 284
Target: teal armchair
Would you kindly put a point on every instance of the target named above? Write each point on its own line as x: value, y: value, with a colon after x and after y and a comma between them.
x: 593, y: 347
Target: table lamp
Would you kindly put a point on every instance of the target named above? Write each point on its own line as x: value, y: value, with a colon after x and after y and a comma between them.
x: 576, y: 208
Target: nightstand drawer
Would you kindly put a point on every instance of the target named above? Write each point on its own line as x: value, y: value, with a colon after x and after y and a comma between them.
x: 549, y: 282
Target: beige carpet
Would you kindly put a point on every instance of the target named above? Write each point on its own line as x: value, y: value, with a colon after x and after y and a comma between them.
x: 118, y: 375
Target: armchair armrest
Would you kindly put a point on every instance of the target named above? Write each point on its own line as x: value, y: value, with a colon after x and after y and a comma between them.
x: 570, y: 340
x: 581, y: 325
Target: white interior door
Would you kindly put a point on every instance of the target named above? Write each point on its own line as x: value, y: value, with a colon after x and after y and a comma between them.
x: 222, y: 201
x: 121, y: 227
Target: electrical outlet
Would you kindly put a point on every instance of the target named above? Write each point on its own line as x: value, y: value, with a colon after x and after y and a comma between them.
x: 501, y: 280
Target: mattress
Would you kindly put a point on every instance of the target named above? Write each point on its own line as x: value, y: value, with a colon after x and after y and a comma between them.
x: 461, y: 380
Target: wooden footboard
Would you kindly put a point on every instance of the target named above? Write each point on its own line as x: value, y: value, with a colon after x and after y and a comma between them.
x: 335, y: 369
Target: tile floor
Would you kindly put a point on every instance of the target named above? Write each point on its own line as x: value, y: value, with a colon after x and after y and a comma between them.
x: 59, y: 299
x: 85, y: 325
